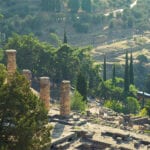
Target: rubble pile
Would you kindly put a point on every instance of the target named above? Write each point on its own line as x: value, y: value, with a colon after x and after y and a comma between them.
x: 99, y: 128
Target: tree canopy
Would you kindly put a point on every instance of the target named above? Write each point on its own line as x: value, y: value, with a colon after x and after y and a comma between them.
x: 23, y: 117
x: 62, y: 63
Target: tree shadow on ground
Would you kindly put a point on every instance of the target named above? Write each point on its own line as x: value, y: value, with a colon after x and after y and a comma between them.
x: 58, y: 130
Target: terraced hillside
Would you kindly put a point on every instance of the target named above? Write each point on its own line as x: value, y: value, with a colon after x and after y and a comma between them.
x: 115, y: 50
x: 115, y: 54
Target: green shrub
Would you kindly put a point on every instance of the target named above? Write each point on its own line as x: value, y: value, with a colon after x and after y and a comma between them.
x: 148, y: 107
x: 143, y: 112
x: 132, y: 105
x: 77, y: 102
x: 114, y: 105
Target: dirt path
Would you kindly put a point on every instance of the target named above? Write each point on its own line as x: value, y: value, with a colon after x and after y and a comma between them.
x: 121, y: 10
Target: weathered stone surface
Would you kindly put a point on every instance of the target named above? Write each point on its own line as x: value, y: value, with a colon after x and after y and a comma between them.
x: 62, y: 146
x: 28, y: 75
x: 76, y: 118
x: 69, y: 137
x: 141, y: 121
x: 115, y: 134
x: 11, y: 61
x: 45, y: 91
x: 120, y: 120
x: 65, y: 98
x: 119, y: 140
x: 137, y: 144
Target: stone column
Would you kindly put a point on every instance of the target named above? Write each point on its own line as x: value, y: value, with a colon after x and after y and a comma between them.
x: 28, y: 75
x: 11, y: 61
x: 65, y: 98
x: 45, y: 91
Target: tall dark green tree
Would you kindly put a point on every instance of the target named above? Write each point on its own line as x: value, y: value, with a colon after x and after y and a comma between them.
x: 131, y: 72
x: 57, y: 5
x: 82, y: 85
x: 74, y: 5
x: 104, y: 68
x: 147, y: 83
x: 86, y: 5
x: 45, y: 5
x: 126, y: 74
x: 114, y: 75
x: 65, y: 37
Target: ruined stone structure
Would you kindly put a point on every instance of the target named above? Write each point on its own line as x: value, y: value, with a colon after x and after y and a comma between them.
x: 11, y: 61
x: 111, y: 131
x: 27, y: 73
x: 65, y: 98
x: 45, y: 91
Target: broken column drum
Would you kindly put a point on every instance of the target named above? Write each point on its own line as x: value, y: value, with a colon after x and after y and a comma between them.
x: 45, y: 91
x: 11, y: 61
x: 65, y: 98
x: 28, y: 75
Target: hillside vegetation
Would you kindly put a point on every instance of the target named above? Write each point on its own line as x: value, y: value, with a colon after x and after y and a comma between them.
x: 85, y: 23
x: 85, y: 20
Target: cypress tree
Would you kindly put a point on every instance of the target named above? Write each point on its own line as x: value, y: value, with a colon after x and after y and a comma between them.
x: 131, y: 73
x: 65, y: 37
x: 45, y: 5
x: 57, y: 6
x: 126, y: 74
x: 104, y: 68
x: 82, y: 85
x: 114, y: 75
x: 86, y: 5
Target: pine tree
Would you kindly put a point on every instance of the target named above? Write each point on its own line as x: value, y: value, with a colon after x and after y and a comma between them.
x: 126, y: 74
x: 114, y: 75
x: 86, y: 5
x: 82, y: 85
x: 65, y: 37
x: 104, y: 68
x: 131, y: 73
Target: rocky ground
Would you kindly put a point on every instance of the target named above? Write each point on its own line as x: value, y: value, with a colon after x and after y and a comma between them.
x: 100, y: 128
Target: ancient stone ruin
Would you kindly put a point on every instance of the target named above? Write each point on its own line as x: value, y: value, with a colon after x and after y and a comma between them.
x: 45, y: 91
x: 99, y: 129
x: 28, y: 75
x: 11, y: 61
x: 65, y: 98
